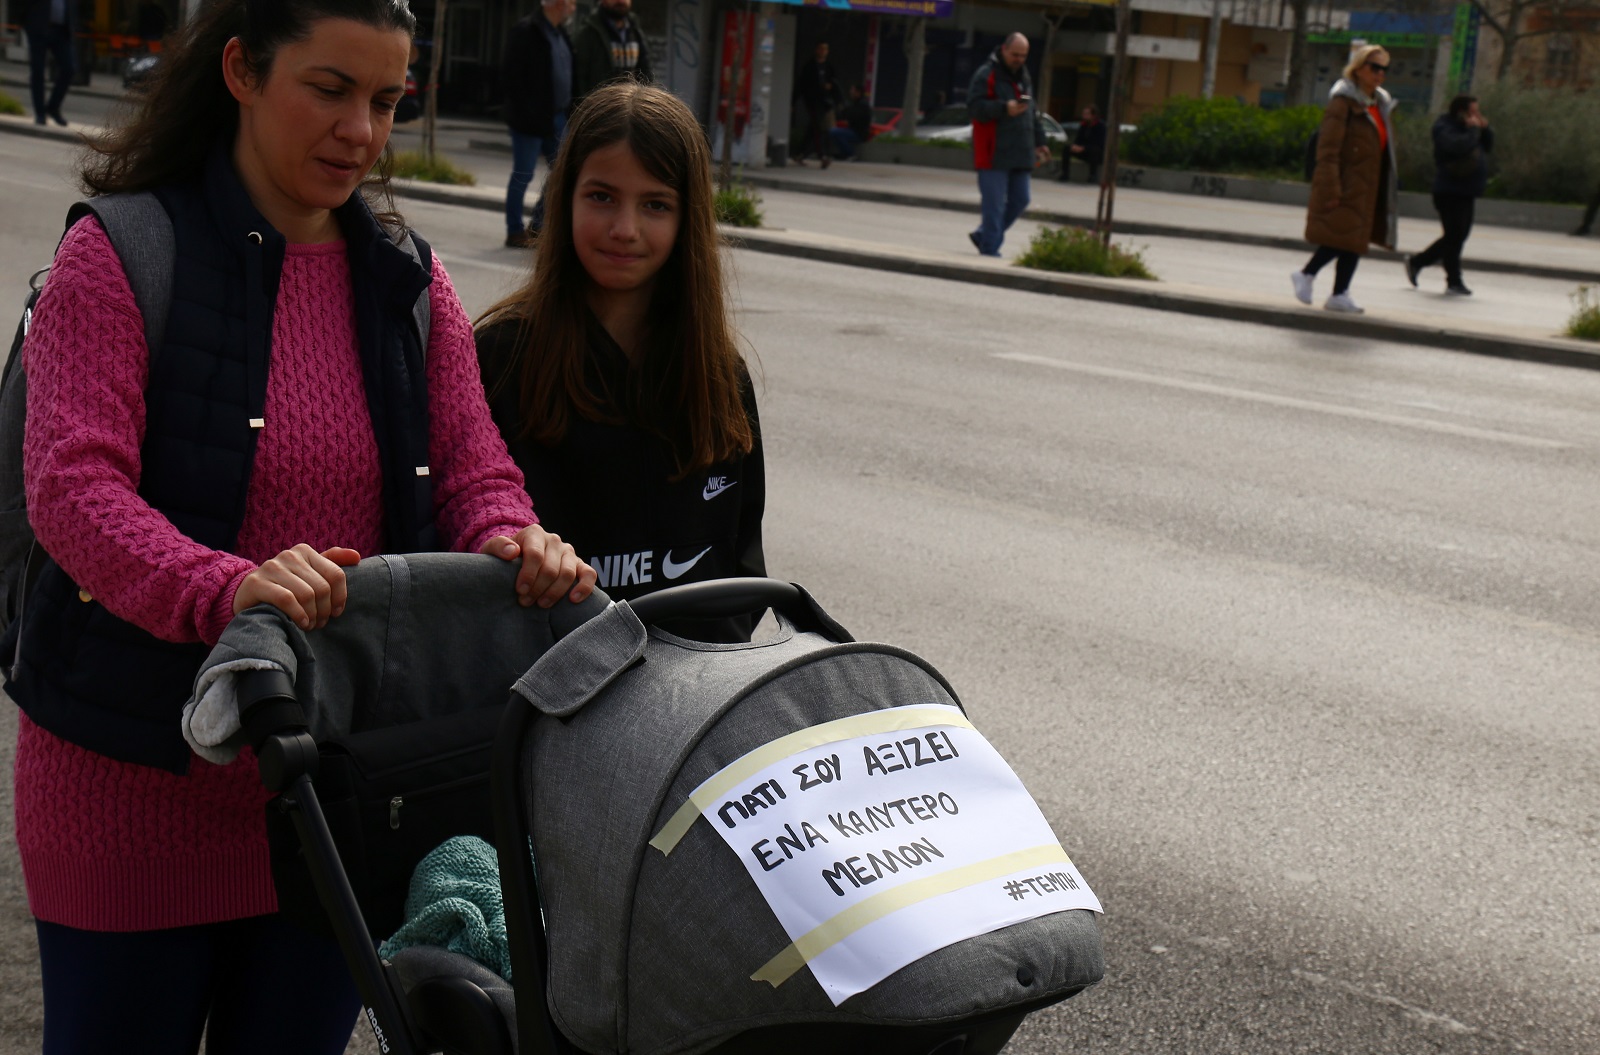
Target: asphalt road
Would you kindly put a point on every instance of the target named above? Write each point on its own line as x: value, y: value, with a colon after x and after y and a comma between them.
x: 1293, y: 637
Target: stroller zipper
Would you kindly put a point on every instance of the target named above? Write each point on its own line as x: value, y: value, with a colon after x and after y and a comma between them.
x: 394, y: 812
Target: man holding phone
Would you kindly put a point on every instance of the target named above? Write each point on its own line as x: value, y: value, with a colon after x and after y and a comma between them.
x: 1008, y: 140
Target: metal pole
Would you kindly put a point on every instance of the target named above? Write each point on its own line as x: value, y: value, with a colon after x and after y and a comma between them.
x: 1208, y: 82
x: 1119, y: 80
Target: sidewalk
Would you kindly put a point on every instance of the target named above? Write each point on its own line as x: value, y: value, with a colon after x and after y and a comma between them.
x: 1542, y: 255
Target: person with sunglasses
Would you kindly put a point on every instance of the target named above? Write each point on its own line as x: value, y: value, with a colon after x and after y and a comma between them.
x: 1355, y: 186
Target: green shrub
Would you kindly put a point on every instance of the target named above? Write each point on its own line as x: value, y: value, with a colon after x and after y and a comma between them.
x: 410, y: 164
x: 9, y: 105
x: 1546, y: 144
x: 1585, y: 322
x: 1079, y: 250
x: 738, y: 205
x: 1223, y: 135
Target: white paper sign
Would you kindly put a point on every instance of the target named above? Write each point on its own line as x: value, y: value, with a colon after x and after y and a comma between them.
x: 882, y: 837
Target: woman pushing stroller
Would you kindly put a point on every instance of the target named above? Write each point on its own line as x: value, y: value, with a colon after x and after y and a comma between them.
x: 291, y: 420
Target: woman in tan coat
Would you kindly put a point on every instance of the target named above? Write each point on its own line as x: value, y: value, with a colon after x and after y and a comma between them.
x: 1356, y: 183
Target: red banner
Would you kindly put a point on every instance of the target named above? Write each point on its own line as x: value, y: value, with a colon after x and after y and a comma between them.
x: 738, y: 37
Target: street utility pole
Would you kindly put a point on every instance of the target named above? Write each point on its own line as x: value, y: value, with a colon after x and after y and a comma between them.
x: 1294, y: 92
x: 1208, y: 83
x: 1119, y: 81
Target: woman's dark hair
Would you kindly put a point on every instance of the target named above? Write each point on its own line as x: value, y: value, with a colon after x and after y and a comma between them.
x: 686, y: 386
x: 1461, y: 104
x: 188, y: 108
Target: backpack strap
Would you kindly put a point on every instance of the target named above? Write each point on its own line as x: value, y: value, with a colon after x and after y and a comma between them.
x: 141, y: 233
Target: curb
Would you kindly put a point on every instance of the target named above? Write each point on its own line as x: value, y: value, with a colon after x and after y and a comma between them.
x: 25, y: 126
x: 1154, y: 230
x: 1553, y: 351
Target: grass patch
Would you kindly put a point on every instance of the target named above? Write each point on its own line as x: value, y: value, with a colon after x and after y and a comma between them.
x: 410, y: 164
x: 738, y: 205
x: 1079, y: 251
x: 1585, y: 322
x: 9, y: 105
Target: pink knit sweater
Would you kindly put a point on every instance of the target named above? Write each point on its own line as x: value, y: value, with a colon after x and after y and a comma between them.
x: 107, y: 845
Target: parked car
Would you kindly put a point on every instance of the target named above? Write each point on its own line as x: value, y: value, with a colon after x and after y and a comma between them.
x: 952, y: 123
x: 885, y: 119
x: 138, y: 72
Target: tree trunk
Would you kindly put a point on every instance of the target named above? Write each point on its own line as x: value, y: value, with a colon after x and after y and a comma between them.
x: 1047, y: 66
x: 1509, y: 36
x: 916, y: 45
x: 1119, y: 81
x: 430, y: 113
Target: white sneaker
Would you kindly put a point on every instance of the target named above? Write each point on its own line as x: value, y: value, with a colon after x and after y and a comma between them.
x: 1342, y: 302
x: 1302, y: 286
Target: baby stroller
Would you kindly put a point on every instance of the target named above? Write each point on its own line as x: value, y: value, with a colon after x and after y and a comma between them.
x: 634, y: 924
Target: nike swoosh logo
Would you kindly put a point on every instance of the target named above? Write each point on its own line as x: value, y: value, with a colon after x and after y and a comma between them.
x: 711, y: 492
x: 672, y: 569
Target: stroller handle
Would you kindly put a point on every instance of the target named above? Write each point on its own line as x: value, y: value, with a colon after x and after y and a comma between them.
x: 720, y: 598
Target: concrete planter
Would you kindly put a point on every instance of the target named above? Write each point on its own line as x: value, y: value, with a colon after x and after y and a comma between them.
x: 1537, y: 216
x: 917, y: 154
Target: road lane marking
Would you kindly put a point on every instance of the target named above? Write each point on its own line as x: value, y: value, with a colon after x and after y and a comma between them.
x: 1291, y: 402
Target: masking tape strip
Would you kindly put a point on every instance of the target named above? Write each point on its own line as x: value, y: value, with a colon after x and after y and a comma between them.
x: 889, y: 720
x: 826, y: 935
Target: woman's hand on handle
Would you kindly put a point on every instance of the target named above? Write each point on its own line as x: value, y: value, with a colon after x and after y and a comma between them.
x: 550, y: 567
x: 307, y: 586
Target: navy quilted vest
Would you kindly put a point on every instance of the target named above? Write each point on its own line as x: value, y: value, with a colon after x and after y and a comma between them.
x: 105, y: 684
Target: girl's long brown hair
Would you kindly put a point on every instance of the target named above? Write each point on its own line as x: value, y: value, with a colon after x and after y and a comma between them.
x: 686, y: 386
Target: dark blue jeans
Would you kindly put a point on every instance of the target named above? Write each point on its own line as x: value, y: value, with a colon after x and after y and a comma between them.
x: 258, y: 986
x: 1004, y: 197
x: 57, y: 42
x: 525, y: 154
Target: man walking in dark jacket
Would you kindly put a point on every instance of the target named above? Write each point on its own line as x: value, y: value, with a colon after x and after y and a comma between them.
x: 816, y: 89
x: 1007, y: 140
x: 50, y: 26
x: 1462, y: 141
x: 538, y: 80
x: 607, y: 45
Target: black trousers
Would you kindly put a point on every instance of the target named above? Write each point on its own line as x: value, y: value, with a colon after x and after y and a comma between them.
x: 1455, y: 213
x: 1342, y: 273
x: 53, y: 44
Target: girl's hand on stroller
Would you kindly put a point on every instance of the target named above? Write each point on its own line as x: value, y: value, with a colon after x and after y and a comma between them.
x: 550, y: 568
x: 307, y: 586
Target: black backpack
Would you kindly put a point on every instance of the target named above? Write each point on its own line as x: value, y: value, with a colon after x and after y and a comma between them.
x: 141, y: 233
x: 1311, y: 154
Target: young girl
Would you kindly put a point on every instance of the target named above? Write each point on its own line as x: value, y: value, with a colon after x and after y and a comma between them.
x: 272, y: 439
x: 614, y: 375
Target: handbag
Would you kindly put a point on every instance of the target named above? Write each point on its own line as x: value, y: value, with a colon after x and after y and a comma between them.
x: 390, y: 796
